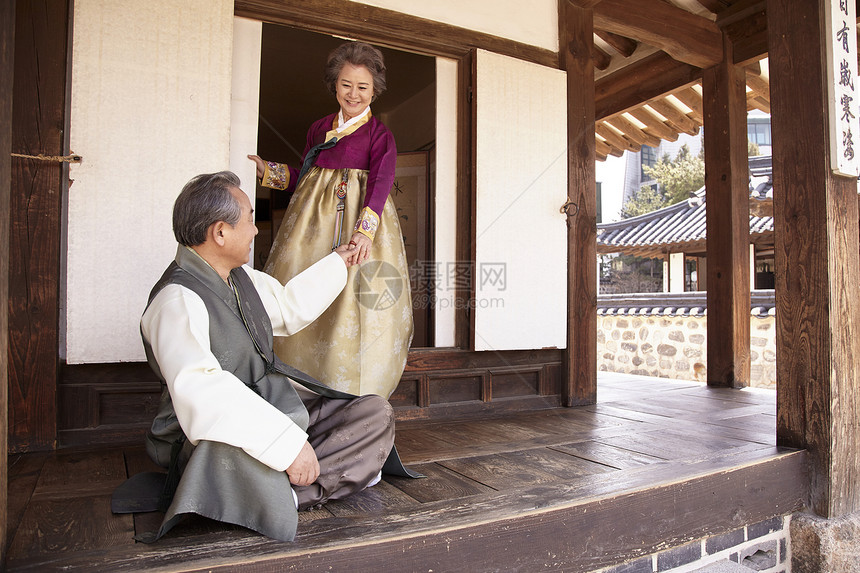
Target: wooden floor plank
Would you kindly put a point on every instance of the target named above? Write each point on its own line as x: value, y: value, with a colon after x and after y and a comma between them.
x: 607, y: 455
x: 83, y: 472
x: 439, y: 484
x: 566, y: 426
x: 23, y: 474
x: 381, y: 498
x: 523, y: 468
x: 671, y: 445
x: 66, y: 525
x: 743, y: 395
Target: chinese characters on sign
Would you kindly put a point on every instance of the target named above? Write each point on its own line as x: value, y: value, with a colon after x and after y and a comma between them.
x: 841, y: 47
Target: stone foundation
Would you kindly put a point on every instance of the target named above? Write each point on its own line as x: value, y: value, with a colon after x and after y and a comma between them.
x: 675, y: 346
x: 825, y: 545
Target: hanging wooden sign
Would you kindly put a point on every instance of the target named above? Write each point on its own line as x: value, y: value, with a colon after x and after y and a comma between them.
x: 841, y: 40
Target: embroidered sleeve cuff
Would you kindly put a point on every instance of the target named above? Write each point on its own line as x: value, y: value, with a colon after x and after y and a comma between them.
x: 275, y: 176
x: 367, y: 223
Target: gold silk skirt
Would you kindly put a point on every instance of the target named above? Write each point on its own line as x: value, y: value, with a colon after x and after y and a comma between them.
x: 360, y: 343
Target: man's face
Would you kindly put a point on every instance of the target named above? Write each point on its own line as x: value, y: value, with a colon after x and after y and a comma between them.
x: 239, y: 238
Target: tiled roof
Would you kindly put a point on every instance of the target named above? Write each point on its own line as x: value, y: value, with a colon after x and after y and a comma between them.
x: 681, y: 227
x: 762, y: 303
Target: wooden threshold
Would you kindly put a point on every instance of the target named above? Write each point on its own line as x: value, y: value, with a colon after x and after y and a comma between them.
x: 655, y: 464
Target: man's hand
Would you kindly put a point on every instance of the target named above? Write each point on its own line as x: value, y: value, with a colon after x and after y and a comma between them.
x: 305, y: 469
x: 347, y: 253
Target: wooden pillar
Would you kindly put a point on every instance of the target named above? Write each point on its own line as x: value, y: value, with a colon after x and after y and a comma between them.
x: 7, y: 58
x: 39, y: 126
x: 816, y: 256
x: 576, y: 39
x: 727, y: 184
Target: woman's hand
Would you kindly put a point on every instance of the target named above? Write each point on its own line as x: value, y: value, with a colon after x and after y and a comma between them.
x: 362, y: 244
x: 261, y: 165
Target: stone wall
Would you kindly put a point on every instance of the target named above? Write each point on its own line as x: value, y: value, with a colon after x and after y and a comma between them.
x: 670, y: 340
x: 764, y: 547
x: 676, y: 347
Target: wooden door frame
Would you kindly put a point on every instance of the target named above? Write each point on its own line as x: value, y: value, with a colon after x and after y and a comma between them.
x: 7, y: 58
x: 38, y: 218
x: 579, y: 386
x: 411, y: 33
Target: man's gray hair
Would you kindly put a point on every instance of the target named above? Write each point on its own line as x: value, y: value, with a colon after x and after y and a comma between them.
x: 205, y: 200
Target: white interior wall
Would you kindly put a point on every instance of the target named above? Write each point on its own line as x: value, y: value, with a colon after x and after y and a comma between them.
x: 521, y: 250
x: 245, y: 100
x: 150, y: 108
x: 534, y: 22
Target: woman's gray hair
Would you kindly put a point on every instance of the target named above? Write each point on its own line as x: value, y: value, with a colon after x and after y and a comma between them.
x: 357, y: 54
x: 205, y: 200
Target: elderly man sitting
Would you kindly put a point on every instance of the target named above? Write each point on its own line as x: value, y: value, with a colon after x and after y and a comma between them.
x: 249, y: 439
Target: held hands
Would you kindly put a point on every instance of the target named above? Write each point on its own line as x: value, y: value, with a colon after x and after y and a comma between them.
x: 356, y: 251
x: 361, y: 243
x: 305, y: 469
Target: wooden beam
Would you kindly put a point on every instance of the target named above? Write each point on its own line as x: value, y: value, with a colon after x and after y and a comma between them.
x: 759, y: 103
x: 39, y: 125
x: 749, y: 37
x: 649, y: 78
x: 654, y: 125
x: 602, y: 149
x: 757, y: 83
x: 740, y: 11
x: 674, y: 116
x: 389, y: 28
x: 614, y: 138
x: 601, y: 58
x: 624, y: 46
x: 691, y: 98
x: 576, y: 37
x: 727, y: 220
x: 714, y: 6
x: 7, y: 64
x: 632, y: 131
x: 684, y: 36
x: 817, y: 256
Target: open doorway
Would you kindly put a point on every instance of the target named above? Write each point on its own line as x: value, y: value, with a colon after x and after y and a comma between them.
x: 293, y: 96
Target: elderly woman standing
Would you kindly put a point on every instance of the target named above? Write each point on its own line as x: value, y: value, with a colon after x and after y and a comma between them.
x: 360, y: 344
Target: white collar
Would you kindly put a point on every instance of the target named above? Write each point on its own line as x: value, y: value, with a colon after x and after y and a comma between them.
x: 342, y: 126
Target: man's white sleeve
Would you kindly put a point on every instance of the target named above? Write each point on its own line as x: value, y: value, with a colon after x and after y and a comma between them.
x: 304, y: 298
x: 211, y: 403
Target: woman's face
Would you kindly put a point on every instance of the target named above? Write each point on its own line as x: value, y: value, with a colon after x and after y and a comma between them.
x: 354, y: 90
